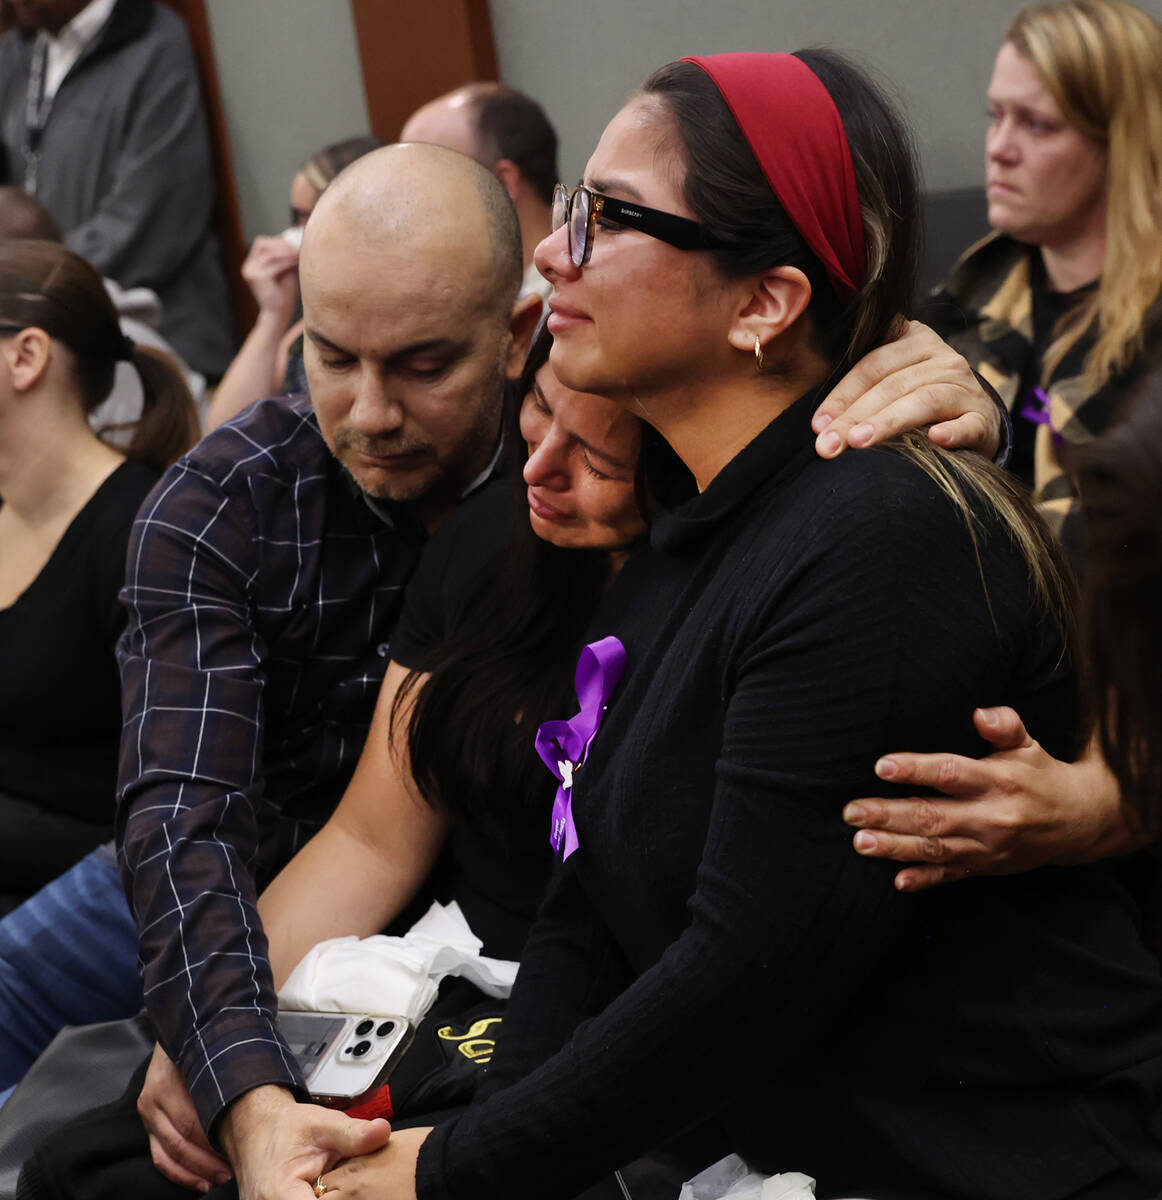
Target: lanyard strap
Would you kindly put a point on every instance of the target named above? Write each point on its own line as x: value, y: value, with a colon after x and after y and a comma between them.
x: 37, y: 107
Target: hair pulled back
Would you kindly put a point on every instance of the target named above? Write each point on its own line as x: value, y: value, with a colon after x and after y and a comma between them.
x: 46, y: 286
x: 726, y: 190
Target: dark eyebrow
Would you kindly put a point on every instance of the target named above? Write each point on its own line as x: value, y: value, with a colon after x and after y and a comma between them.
x: 613, y: 462
x: 618, y: 188
x: 325, y: 342
x: 405, y: 352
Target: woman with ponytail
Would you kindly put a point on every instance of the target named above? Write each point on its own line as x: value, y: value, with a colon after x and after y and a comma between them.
x: 67, y: 501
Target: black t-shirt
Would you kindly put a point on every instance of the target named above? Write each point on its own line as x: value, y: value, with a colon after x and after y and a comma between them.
x: 1049, y: 307
x: 60, y: 693
x: 497, y: 887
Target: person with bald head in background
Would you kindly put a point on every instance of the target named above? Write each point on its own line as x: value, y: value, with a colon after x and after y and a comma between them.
x: 510, y: 134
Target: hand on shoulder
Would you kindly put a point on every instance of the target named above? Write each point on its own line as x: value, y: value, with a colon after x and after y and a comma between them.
x: 1013, y: 811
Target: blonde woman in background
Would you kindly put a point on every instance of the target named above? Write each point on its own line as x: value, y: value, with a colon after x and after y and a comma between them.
x: 1057, y: 308
x: 1061, y: 302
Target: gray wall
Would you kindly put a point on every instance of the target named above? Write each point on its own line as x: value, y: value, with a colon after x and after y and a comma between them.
x: 291, y: 80
x: 291, y: 83
x: 581, y: 58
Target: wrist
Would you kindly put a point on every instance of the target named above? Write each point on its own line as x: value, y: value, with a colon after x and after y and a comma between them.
x: 252, y: 1110
x: 271, y: 322
x: 1117, y: 828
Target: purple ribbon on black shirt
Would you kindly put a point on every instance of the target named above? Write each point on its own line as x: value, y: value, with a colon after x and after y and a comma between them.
x: 1039, y: 413
x: 564, y: 745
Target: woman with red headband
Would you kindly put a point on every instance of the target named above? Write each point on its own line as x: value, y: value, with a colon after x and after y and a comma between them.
x: 746, y: 230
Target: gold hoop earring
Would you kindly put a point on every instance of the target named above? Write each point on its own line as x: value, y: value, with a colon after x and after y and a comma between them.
x: 758, y: 354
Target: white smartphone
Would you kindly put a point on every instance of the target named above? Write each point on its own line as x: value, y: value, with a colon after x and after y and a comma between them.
x: 344, y: 1057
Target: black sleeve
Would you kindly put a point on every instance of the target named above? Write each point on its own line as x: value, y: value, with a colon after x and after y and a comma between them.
x: 467, y: 543
x: 571, y: 954
x: 1005, y: 444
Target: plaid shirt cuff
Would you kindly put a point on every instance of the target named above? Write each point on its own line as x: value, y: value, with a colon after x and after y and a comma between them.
x: 234, y: 1054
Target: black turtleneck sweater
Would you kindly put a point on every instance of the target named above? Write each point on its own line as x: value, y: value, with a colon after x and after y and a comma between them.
x: 716, y: 951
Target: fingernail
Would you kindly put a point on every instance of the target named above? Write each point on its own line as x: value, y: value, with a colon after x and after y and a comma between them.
x: 855, y: 814
x: 903, y: 881
x: 203, y: 1186
x: 887, y: 768
x: 820, y: 421
x: 828, y: 444
x: 865, y: 841
x: 988, y: 716
x: 861, y: 435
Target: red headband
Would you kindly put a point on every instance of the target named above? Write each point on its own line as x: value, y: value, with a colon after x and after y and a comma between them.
x: 792, y: 125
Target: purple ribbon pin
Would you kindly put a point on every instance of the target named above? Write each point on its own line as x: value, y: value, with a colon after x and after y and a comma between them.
x: 1039, y: 413
x: 564, y: 745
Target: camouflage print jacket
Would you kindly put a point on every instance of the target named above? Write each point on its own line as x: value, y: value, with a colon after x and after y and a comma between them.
x: 985, y: 309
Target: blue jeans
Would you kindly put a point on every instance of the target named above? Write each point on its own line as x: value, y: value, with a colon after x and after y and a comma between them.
x: 68, y: 956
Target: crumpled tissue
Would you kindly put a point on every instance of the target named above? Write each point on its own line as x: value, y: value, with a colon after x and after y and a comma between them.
x: 731, y: 1179
x: 395, y: 975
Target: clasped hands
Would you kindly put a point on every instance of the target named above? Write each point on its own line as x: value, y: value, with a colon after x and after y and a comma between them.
x: 280, y: 1149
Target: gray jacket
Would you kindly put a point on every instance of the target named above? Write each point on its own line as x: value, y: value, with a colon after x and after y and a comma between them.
x: 125, y: 169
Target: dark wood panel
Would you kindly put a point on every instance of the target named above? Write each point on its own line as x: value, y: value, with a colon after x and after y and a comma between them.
x: 414, y: 50
x: 229, y: 214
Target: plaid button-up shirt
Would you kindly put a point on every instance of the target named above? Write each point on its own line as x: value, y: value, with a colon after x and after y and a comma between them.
x: 262, y: 591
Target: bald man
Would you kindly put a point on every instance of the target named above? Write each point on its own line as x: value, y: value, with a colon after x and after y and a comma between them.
x: 509, y: 133
x: 266, y: 575
x: 266, y: 572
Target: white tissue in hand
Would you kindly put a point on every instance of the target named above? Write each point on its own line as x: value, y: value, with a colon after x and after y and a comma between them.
x: 731, y: 1179
x: 395, y: 975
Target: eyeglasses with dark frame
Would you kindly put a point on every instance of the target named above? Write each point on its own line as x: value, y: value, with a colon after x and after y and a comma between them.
x: 582, y: 209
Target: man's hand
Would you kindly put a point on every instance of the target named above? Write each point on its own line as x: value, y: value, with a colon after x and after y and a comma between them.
x: 279, y: 1147
x: 388, y: 1174
x: 271, y: 272
x: 1018, y: 809
x: 916, y: 380
x: 177, y: 1143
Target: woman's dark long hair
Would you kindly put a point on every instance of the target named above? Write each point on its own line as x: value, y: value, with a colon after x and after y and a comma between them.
x: 726, y: 190
x: 506, y: 666
x: 1121, y: 488
x: 46, y: 285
